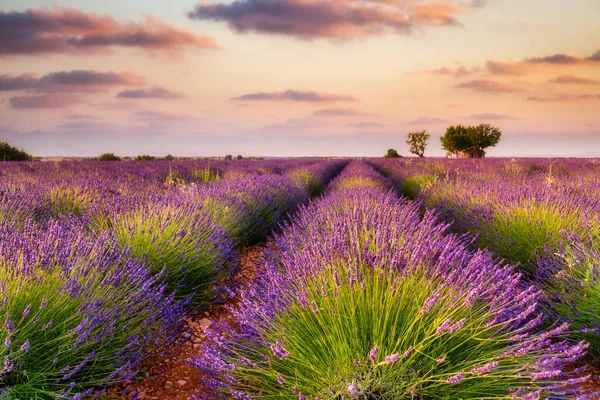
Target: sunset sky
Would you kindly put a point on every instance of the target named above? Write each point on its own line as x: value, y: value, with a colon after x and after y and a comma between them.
x: 297, y: 77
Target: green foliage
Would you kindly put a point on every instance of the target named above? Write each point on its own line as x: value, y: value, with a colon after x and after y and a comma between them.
x: 239, y: 157
x: 392, y: 153
x: 418, y: 142
x: 461, y: 138
x: 484, y: 136
x: 228, y: 157
x: 108, y: 157
x: 306, y: 180
x: 9, y: 153
x: 413, y: 185
x: 575, y: 284
x: 145, y: 157
x: 169, y: 238
x: 206, y: 175
x: 456, y: 139
x: 169, y: 157
x: 327, y: 343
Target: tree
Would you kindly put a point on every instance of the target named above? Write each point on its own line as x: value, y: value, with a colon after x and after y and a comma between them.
x: 108, y: 157
x: 229, y: 157
x: 484, y: 136
x: 169, y: 157
x: 472, y: 140
x: 418, y: 142
x: 456, y: 139
x: 392, y: 153
x: 239, y: 157
x: 9, y: 153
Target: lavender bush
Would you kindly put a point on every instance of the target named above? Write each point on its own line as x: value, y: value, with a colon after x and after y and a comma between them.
x: 77, y: 313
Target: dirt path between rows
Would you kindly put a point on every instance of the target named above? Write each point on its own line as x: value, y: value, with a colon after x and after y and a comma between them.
x: 171, y: 377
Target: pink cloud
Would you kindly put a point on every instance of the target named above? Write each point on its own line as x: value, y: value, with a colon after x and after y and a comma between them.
x: 339, y: 112
x: 69, y: 81
x: 328, y: 19
x: 44, y: 101
x: 294, y: 95
x: 572, y: 79
x: 488, y: 86
x: 64, y: 30
x: 150, y: 93
x: 534, y: 64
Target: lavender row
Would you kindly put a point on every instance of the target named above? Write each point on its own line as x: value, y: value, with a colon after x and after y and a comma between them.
x: 542, y: 214
x: 361, y: 297
x: 88, y: 295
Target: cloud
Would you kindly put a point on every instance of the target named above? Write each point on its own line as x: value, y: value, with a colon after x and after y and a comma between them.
x: 507, y: 68
x: 327, y: 19
x: 81, y: 117
x: 459, y: 72
x: 162, y: 116
x: 564, y: 98
x: 487, y: 86
x: 572, y: 79
x: 69, y: 81
x: 490, y: 117
x: 44, y: 101
x: 367, y: 125
x: 594, y: 57
x: 150, y: 93
x: 339, y: 112
x: 533, y: 64
x: 83, y: 126
x: 427, y: 121
x: 10, y: 82
x: 294, y: 95
x: 65, y: 30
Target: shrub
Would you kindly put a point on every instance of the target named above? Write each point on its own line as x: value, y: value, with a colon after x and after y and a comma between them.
x: 173, y: 234
x: 108, y: 157
x: 78, y: 313
x: 392, y: 153
x: 570, y: 279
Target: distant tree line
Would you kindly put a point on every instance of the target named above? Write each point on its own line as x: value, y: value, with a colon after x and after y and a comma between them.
x: 9, y: 153
x: 169, y: 157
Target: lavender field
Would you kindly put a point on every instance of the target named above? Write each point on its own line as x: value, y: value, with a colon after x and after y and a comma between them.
x: 378, y: 279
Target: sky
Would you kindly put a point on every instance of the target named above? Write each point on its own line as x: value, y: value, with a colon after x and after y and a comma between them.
x: 297, y: 77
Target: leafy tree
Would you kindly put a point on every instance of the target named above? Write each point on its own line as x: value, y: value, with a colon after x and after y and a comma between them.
x: 145, y: 157
x: 484, y: 136
x: 108, y: 157
x: 418, y: 142
x: 229, y: 157
x: 392, y: 153
x: 9, y: 153
x: 169, y: 157
x: 473, y: 138
x: 239, y: 157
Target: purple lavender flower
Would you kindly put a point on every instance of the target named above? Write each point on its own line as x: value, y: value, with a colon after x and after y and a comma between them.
x: 454, y: 379
x: 279, y: 351
x: 352, y: 388
x: 392, y: 358
x: 373, y: 354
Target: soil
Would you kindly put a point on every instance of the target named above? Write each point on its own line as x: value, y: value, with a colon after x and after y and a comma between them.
x: 171, y: 377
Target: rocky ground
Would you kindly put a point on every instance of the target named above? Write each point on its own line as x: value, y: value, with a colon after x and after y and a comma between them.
x: 171, y: 377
